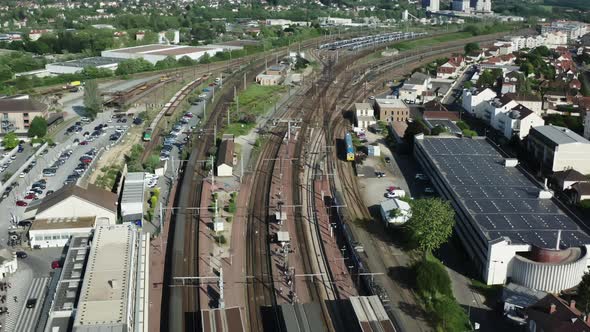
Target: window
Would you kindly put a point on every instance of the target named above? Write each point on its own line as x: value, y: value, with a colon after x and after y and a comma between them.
x: 25, y: 114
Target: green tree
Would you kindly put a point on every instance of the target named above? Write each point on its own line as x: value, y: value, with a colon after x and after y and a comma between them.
x: 449, y: 315
x: 10, y: 141
x: 92, y: 99
x: 438, y: 130
x: 5, y: 73
x: 432, y: 279
x: 38, y: 127
x: 470, y: 47
x: 431, y: 223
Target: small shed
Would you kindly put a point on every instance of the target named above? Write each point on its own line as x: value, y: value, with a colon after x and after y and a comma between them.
x: 283, y: 237
x: 225, y: 158
x: 132, y: 198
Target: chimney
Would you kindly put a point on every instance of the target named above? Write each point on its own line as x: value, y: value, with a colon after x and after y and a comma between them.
x: 573, y: 304
x: 553, y: 308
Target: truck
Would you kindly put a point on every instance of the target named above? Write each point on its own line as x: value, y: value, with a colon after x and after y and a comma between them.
x: 147, y: 135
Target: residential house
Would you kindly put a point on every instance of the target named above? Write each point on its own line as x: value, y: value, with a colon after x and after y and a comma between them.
x: 225, y: 158
x: 553, y: 314
x: 474, y: 99
x: 392, y: 110
x: 414, y: 87
x: 492, y: 108
x: 451, y: 68
x: 17, y: 112
x: 435, y: 110
x: 517, y: 122
x: 73, y: 201
x: 559, y: 149
x: 365, y: 115
x: 530, y: 101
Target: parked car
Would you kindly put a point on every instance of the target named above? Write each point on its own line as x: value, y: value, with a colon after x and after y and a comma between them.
x: 21, y: 203
x: 20, y: 149
x: 30, y: 196
x: 49, y: 171
x: 31, y: 303
x: 420, y: 176
x: 84, y: 142
x: 21, y: 254
x: 55, y: 264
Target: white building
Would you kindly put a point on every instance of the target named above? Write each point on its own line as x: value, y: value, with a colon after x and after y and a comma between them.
x: 414, y: 88
x: 73, y: 201
x: 334, y: 21
x: 431, y: 5
x: 157, y: 52
x: 114, y: 293
x: 498, y: 215
x: 401, y: 215
x: 225, y: 158
x: 493, y: 108
x: 555, y: 39
x: 8, y: 263
x: 133, y: 198
x: 573, y: 29
x: 76, y: 66
x: 474, y: 99
x: 483, y: 6
x: 461, y: 6
x: 517, y: 122
x: 365, y: 115
x: 56, y: 232
x: 559, y: 149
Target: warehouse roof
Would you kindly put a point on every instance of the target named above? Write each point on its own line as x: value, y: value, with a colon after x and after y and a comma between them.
x: 60, y: 223
x: 104, y: 296
x: 88, y: 62
x: 501, y: 200
x: 184, y: 50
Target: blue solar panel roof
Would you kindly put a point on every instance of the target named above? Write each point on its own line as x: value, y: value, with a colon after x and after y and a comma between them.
x: 503, y: 201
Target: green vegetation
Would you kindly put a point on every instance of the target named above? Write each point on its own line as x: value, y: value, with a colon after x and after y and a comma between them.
x: 134, y: 158
x: 220, y: 239
x: 152, y: 162
x: 533, y: 62
x: 153, y: 201
x: 232, y: 206
x: 488, y: 78
x: 38, y: 127
x: 10, y: 141
x: 434, y: 287
x: 412, y: 44
x: 431, y: 223
x: 583, y: 294
x: 471, y: 47
x: 108, y: 177
x: 568, y: 121
x: 467, y: 132
x: 438, y: 130
x: 92, y: 99
x: 253, y: 102
x: 7, y: 176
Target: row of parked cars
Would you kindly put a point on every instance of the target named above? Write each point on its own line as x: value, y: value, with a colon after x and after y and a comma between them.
x: 171, y: 139
x: 34, y: 192
x: 85, y: 161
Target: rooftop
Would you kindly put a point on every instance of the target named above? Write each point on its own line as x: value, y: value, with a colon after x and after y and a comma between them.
x: 104, y: 296
x: 502, y: 201
x: 88, y: 62
x: 21, y: 105
x: 226, y: 153
x: 91, y: 194
x: 552, y: 313
x: 363, y: 106
x: 60, y: 223
x: 390, y: 103
x: 133, y: 188
x: 555, y: 135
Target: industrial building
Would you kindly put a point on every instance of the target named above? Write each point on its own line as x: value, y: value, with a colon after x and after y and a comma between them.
x: 56, y: 232
x: 132, y: 198
x: 114, y: 294
x: 509, y: 225
x: 64, y: 301
x: 157, y: 52
x: 76, y: 66
x: 559, y: 149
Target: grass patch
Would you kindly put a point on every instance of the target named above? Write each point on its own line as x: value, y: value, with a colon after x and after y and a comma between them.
x: 239, y: 129
x: 108, y: 177
x: 488, y: 291
x: 411, y: 44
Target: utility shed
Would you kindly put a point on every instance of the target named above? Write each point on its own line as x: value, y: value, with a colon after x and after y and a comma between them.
x: 132, y: 197
x: 225, y: 158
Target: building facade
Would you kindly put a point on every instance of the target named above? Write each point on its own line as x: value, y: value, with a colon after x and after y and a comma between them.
x: 392, y: 110
x: 559, y: 149
x: 17, y: 113
x: 365, y: 115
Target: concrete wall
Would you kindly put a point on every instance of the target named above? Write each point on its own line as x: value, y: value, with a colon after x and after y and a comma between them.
x: 576, y: 156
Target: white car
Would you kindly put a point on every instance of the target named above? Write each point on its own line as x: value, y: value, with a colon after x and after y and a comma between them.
x: 150, y: 176
x: 164, y: 157
x: 420, y: 176
x: 152, y: 184
x: 22, y: 175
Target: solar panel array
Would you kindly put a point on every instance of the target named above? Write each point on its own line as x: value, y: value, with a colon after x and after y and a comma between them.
x: 502, y: 200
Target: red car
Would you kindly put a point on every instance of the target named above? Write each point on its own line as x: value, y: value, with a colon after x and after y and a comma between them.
x: 86, y: 160
x: 30, y: 196
x: 84, y: 143
x: 55, y: 265
x: 21, y: 203
x: 392, y: 188
x: 189, y: 115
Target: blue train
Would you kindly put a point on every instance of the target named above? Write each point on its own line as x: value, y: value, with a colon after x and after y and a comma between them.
x: 349, y: 147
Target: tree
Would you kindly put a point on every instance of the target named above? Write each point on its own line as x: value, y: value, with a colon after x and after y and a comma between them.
x: 437, y: 130
x: 38, y: 127
x: 432, y: 279
x: 431, y: 223
x: 92, y: 99
x: 10, y: 141
x: 449, y: 315
x: 470, y: 47
x: 5, y: 73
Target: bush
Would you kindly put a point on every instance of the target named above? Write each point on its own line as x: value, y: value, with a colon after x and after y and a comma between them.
x: 449, y: 316
x: 469, y: 133
x: 10, y: 141
x: 462, y: 125
x: 220, y: 239
x: 38, y: 127
x: 432, y: 279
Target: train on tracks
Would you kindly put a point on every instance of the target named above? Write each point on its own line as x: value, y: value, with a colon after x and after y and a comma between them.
x: 349, y: 147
